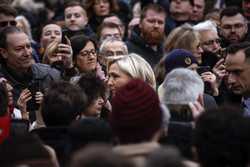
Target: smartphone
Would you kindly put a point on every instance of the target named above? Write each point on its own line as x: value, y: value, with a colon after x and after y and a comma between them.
x: 202, y: 69
x: 33, y: 87
x: 180, y: 112
x: 64, y: 39
x: 222, y: 52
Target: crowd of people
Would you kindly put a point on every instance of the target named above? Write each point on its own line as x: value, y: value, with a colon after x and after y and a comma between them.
x: 124, y: 83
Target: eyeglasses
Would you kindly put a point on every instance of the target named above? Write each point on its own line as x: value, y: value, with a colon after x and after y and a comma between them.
x: 235, y: 26
x: 8, y: 23
x: 114, y: 53
x: 114, y: 36
x: 86, y: 53
x: 212, y: 41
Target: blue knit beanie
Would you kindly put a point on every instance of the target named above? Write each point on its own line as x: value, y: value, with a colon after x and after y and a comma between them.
x: 179, y: 58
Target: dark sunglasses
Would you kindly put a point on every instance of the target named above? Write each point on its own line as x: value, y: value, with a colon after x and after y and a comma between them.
x: 8, y: 23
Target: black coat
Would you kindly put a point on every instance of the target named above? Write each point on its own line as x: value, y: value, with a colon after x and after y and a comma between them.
x: 136, y: 44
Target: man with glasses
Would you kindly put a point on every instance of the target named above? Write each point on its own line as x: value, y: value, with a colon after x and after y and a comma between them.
x: 107, y: 30
x: 210, y: 41
x: 111, y: 47
x: 233, y: 26
x: 7, y: 16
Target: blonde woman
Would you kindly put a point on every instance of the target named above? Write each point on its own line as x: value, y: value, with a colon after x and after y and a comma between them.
x: 122, y: 69
x: 183, y: 37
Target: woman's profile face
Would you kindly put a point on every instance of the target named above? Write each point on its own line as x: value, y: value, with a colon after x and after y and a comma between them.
x: 86, y: 59
x: 101, y: 7
x: 117, y: 78
x: 95, y: 107
x: 197, y: 51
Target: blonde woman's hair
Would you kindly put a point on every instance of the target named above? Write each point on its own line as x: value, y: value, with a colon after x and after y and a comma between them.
x: 135, y: 66
x: 25, y: 25
x: 188, y: 39
x: 182, y: 37
x: 50, y: 50
x: 174, y: 35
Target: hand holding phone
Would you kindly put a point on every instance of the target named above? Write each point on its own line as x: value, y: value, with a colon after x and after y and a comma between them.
x: 203, y: 69
x: 65, y: 52
x: 34, y: 87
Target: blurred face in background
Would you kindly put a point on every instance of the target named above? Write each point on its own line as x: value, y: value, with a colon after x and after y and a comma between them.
x: 246, y: 8
x: 7, y: 20
x: 180, y: 10
x: 75, y: 18
x: 50, y: 32
x: 198, y: 10
x: 234, y: 28
x: 102, y: 7
x: 210, y: 41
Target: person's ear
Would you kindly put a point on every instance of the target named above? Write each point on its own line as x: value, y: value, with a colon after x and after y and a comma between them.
x: 3, y: 53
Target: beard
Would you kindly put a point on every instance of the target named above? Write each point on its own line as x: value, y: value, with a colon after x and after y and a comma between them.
x: 152, y: 37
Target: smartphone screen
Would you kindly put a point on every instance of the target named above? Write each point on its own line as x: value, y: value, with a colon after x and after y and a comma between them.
x: 202, y: 69
x: 34, y: 87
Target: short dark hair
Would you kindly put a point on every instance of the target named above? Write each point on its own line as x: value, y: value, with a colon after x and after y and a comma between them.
x: 222, y: 138
x: 62, y: 103
x: 72, y: 4
x: 107, y: 25
x: 24, y: 149
x: 114, y: 7
x: 4, y: 34
x: 231, y: 11
x: 92, y: 85
x: 89, y: 130
x: 78, y: 42
x: 155, y: 7
x: 8, y: 10
x: 234, y: 48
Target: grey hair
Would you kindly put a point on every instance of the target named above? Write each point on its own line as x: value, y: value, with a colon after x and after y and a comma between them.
x: 207, y: 25
x: 181, y: 86
x: 112, y: 40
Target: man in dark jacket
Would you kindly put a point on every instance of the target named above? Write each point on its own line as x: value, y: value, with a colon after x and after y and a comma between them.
x: 233, y: 26
x: 19, y: 67
x: 76, y: 20
x: 147, y: 39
